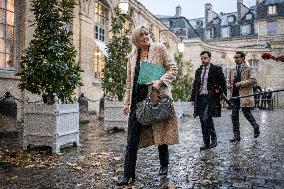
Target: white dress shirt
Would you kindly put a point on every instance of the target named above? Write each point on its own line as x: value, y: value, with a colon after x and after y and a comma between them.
x: 203, y: 87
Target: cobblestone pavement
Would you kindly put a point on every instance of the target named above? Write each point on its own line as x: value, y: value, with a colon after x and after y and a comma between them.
x: 250, y: 163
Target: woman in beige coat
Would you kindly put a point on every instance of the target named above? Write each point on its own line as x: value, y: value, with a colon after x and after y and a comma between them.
x: 160, y: 134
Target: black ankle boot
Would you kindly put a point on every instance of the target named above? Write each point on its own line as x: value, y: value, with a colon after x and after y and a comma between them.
x: 213, y: 144
x: 204, y: 147
x: 236, y: 138
x: 256, y: 132
x: 163, y: 170
x: 125, y: 181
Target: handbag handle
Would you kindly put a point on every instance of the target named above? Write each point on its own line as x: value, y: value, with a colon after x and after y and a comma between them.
x: 150, y: 90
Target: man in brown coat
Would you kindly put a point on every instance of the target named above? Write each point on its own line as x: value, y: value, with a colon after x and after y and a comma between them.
x: 242, y: 80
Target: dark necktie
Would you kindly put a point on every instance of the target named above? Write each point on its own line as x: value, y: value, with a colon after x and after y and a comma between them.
x: 239, y: 70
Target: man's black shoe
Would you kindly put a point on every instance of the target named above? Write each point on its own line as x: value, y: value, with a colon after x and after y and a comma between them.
x: 235, y: 139
x: 205, y: 147
x: 163, y: 170
x: 213, y: 144
x: 256, y: 132
x: 124, y: 181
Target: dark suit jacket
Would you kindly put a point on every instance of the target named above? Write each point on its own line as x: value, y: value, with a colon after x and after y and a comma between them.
x: 215, y: 77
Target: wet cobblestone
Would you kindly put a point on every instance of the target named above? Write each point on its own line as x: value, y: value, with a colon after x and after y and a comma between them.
x: 248, y: 164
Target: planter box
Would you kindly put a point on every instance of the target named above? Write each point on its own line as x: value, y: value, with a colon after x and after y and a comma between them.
x: 8, y: 124
x: 8, y: 114
x: 51, y: 125
x: 113, y: 116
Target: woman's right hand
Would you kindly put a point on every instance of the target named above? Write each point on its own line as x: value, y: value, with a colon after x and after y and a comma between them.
x: 126, y: 110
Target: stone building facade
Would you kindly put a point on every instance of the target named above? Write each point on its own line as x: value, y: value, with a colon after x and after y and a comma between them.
x: 91, y: 32
x: 254, y: 30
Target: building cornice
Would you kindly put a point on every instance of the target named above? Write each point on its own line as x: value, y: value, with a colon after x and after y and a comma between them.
x: 198, y: 41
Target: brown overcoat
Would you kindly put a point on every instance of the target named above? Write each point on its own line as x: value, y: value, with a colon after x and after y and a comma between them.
x: 160, y: 133
x: 246, y: 84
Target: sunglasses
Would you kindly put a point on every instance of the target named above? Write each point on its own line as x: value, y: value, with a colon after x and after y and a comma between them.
x: 237, y: 57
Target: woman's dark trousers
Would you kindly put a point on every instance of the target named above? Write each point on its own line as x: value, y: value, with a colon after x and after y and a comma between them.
x: 134, y: 130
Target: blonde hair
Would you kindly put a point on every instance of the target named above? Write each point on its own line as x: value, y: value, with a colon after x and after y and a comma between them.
x: 136, y: 34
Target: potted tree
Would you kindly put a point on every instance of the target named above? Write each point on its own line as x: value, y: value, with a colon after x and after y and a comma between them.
x: 115, y: 73
x: 182, y: 88
x: 49, y: 67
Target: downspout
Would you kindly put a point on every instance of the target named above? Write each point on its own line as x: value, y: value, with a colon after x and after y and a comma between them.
x: 257, y: 32
x: 80, y: 43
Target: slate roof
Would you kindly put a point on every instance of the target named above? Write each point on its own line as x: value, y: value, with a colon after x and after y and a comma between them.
x: 224, y: 18
x: 193, y: 22
x: 269, y: 2
x: 197, y: 27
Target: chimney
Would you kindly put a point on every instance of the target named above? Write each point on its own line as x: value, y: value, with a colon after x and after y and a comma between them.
x: 178, y: 11
x: 259, y: 8
x: 208, y: 7
x: 239, y: 9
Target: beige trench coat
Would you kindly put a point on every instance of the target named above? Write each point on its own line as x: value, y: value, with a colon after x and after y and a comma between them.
x: 246, y: 84
x: 160, y: 133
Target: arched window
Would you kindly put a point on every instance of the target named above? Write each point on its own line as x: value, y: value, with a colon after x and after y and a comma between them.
x: 6, y: 33
x: 101, y: 18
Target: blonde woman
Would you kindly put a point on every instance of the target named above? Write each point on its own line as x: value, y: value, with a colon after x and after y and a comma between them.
x: 160, y: 134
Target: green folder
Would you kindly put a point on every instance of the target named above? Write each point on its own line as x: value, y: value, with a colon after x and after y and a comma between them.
x: 150, y: 72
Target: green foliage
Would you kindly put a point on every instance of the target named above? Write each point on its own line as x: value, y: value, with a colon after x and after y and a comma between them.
x: 183, y: 83
x: 49, y: 64
x: 116, y: 63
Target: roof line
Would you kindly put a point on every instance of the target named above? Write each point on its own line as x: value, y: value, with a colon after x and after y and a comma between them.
x: 222, y: 48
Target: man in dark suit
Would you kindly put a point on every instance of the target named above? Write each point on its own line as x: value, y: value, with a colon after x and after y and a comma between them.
x: 206, y: 102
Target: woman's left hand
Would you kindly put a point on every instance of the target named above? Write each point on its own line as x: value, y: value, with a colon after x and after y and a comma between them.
x: 157, y: 84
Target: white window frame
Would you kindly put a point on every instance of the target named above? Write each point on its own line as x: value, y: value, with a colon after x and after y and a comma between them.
x: 101, y: 13
x: 249, y: 16
x: 231, y: 17
x: 209, y: 33
x: 246, y: 29
x: 254, y: 63
x: 180, y: 31
x: 216, y: 21
x: 199, y: 23
x: 271, y: 27
x: 100, y: 33
x: 225, y: 32
x: 101, y: 19
x: 272, y: 10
